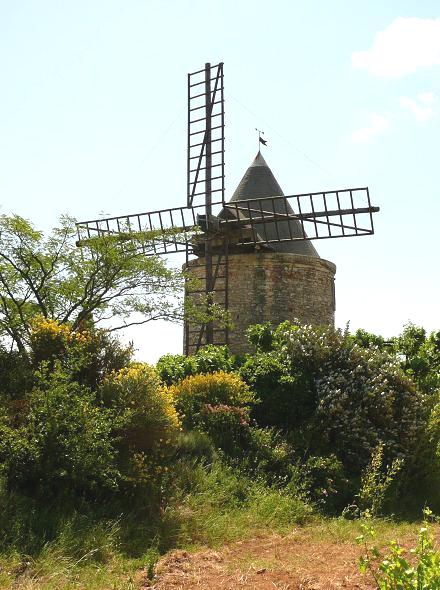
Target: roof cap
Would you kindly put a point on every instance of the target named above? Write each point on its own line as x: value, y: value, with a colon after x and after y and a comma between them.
x: 259, y: 181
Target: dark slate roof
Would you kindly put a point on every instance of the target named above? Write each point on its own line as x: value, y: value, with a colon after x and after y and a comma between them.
x: 258, y: 182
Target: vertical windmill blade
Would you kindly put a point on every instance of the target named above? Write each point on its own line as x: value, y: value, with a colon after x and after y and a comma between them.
x: 206, y: 160
x: 206, y: 135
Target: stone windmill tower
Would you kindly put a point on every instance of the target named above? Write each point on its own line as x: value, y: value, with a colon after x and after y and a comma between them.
x: 266, y: 282
x: 251, y: 255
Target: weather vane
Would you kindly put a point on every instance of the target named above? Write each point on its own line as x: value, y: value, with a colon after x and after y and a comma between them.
x: 260, y: 139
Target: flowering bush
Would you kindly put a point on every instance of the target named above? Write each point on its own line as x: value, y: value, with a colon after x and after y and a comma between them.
x: 49, y: 339
x: 364, y: 398
x: 193, y: 394
x: 144, y: 418
x: 87, y: 354
x: 334, y: 396
x: 172, y: 368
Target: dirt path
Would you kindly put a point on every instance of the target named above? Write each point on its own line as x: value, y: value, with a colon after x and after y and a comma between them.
x: 284, y: 563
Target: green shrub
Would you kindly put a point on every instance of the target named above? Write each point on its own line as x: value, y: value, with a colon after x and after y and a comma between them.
x: 283, y: 400
x: 227, y: 426
x: 194, y: 445
x: 368, y: 340
x: 60, y: 443
x: 420, y: 355
x: 193, y: 393
x: 421, y: 472
x: 16, y: 374
x: 214, y: 359
x: 350, y: 398
x: 269, y: 455
x: 173, y: 368
x: 326, y: 483
x: 261, y: 337
x: 417, y: 569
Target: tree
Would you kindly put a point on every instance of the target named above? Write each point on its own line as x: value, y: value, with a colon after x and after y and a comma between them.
x: 109, y: 280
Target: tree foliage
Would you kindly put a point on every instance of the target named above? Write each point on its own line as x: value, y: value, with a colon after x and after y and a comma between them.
x: 51, y: 277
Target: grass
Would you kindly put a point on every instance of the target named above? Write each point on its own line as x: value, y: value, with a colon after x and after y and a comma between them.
x: 206, y: 507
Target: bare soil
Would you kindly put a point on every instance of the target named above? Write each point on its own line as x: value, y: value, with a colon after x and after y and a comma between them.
x: 293, y: 562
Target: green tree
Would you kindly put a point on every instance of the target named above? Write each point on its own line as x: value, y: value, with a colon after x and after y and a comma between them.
x: 110, y: 279
x: 420, y: 356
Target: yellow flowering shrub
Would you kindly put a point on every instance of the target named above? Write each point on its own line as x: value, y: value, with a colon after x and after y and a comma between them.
x: 146, y: 419
x: 49, y: 338
x: 193, y: 394
x: 86, y: 354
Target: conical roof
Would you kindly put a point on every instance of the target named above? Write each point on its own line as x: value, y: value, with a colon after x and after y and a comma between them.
x: 259, y: 182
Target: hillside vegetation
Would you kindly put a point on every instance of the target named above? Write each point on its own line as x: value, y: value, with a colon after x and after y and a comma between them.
x: 107, y: 463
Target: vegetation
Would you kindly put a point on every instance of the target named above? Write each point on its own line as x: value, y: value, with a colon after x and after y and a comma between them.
x: 415, y: 569
x: 106, y: 462
x: 52, y: 278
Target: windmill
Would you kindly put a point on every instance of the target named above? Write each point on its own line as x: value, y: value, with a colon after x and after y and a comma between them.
x: 209, y: 229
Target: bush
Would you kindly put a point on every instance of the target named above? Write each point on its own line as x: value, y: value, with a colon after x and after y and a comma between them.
x: 173, y: 368
x: 87, y: 354
x: 60, y: 443
x: 332, y: 396
x: 16, y: 374
x: 227, y: 426
x: 420, y: 355
x: 269, y: 455
x: 283, y: 400
x: 193, y: 394
x: 326, y: 483
x: 421, y: 474
x: 363, y: 399
x: 145, y: 420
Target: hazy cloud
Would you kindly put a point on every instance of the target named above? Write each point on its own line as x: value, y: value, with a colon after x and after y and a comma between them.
x: 377, y: 124
x: 421, y: 107
x: 402, y: 48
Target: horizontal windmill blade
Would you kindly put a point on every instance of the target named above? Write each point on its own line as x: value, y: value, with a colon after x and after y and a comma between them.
x: 163, y: 231
x: 266, y: 220
x: 307, y: 216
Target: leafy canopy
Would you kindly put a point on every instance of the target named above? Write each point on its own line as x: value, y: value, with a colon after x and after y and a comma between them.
x: 107, y: 280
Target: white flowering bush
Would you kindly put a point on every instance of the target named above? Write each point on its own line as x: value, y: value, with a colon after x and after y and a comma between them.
x: 351, y: 399
x: 365, y: 399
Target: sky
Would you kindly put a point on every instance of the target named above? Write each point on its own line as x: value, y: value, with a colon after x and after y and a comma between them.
x: 93, y: 120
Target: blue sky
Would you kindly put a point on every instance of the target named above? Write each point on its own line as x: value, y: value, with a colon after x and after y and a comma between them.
x: 93, y: 120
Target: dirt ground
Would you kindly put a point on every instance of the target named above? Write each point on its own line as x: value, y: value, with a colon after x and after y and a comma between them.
x: 284, y: 563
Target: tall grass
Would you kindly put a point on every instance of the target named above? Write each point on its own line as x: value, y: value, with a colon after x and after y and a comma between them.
x: 221, y: 504
x: 98, y: 547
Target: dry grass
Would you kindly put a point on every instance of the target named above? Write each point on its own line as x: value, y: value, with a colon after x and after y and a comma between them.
x: 320, y: 556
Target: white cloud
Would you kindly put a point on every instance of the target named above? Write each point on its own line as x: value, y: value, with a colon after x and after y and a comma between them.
x: 378, y: 124
x: 421, y: 113
x: 426, y: 97
x: 407, y: 45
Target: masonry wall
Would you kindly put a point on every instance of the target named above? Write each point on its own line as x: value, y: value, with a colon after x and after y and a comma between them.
x: 272, y: 287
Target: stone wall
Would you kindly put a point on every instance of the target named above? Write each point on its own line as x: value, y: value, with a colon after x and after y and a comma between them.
x: 272, y: 287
